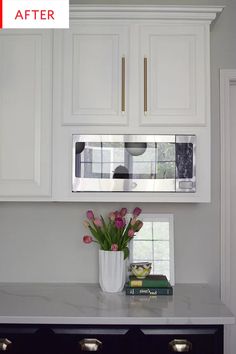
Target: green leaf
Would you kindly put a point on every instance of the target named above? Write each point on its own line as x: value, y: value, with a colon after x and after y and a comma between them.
x: 106, y: 231
x: 126, y: 252
x: 94, y: 233
x: 106, y: 246
x: 125, y: 237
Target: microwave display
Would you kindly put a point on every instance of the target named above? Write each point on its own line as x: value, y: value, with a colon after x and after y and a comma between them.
x: 134, y: 163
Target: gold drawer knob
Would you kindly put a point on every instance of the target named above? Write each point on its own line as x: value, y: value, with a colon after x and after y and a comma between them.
x: 4, y: 344
x: 90, y: 344
x: 180, y: 345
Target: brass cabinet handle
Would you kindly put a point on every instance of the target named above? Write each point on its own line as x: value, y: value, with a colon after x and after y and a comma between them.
x: 145, y: 85
x: 123, y: 84
x: 4, y: 344
x: 180, y: 345
x: 90, y: 345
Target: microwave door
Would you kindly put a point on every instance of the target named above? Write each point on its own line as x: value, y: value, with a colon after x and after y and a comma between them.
x: 155, y: 163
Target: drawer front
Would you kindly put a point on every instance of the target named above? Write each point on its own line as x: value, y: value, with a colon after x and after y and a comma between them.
x: 105, y: 340
x: 23, y: 339
x: 18, y: 340
x: 176, y: 340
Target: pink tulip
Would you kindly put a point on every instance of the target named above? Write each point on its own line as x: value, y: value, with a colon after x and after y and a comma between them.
x: 90, y: 215
x: 133, y: 221
x: 131, y: 233
x: 86, y: 223
x: 137, y: 211
x: 112, y: 216
x: 97, y: 222
x: 123, y: 212
x: 87, y: 239
x: 114, y: 247
x: 117, y: 214
x: 140, y: 225
x: 119, y: 223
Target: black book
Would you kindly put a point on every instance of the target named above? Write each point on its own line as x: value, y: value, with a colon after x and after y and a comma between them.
x: 129, y: 290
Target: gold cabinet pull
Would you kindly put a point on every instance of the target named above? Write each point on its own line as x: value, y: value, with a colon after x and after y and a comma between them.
x: 180, y: 345
x: 4, y: 344
x: 145, y: 85
x: 90, y: 345
x: 123, y: 85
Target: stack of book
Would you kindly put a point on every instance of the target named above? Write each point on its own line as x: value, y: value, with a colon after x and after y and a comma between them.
x: 151, y: 285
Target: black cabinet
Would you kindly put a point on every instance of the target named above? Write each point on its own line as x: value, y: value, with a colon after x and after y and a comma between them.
x: 72, y: 339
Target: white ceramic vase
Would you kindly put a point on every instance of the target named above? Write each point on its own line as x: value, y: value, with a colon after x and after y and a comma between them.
x: 112, y: 271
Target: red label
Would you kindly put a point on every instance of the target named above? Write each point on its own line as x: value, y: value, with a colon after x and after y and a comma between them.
x: 34, y: 14
x: 1, y: 13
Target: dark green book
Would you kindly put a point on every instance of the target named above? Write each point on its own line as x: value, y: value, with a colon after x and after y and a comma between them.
x: 148, y: 291
x: 151, y: 281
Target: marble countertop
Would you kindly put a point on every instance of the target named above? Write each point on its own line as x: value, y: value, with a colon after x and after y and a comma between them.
x: 87, y: 304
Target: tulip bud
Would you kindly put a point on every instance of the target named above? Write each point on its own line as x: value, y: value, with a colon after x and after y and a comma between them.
x: 87, y: 239
x: 117, y: 214
x: 112, y: 216
x: 114, y: 247
x: 137, y: 211
x: 140, y: 225
x: 123, y: 212
x: 90, y: 215
x: 119, y: 223
x: 86, y: 223
x: 97, y: 222
x: 131, y: 233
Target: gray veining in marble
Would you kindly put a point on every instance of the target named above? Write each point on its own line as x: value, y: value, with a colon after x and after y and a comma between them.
x: 87, y: 304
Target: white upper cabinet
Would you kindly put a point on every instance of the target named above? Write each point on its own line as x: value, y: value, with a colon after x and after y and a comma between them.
x: 134, y: 67
x: 174, y: 66
x: 94, y: 62
x: 25, y: 113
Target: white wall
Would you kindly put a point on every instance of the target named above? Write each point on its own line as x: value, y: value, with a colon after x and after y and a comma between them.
x: 42, y: 241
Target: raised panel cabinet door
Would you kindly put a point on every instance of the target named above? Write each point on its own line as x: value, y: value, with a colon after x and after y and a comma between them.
x: 21, y: 340
x: 95, y: 70
x: 25, y: 113
x: 104, y: 339
x: 189, y: 339
x: 174, y: 74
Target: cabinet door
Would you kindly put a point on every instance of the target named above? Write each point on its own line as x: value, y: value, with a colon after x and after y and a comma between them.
x: 174, y: 80
x: 25, y: 113
x: 94, y: 83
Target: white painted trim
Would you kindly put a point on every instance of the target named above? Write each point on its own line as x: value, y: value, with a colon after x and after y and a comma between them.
x: 142, y: 11
x: 226, y: 77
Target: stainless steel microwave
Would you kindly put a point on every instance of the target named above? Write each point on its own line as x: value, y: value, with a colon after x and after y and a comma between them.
x: 134, y: 163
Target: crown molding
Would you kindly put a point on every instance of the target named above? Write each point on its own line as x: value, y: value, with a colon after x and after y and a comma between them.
x: 207, y: 13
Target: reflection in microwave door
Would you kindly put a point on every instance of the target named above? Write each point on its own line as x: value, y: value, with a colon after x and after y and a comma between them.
x: 121, y: 172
